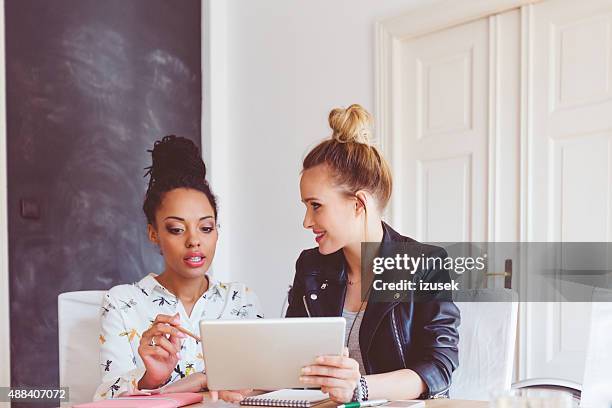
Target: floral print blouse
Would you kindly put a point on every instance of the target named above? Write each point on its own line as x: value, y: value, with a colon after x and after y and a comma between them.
x: 129, y: 310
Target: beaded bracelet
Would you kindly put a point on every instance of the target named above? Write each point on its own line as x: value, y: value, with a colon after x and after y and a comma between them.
x: 360, y: 393
x: 364, y: 388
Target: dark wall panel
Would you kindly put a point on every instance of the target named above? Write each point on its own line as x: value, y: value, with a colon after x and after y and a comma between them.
x: 90, y: 85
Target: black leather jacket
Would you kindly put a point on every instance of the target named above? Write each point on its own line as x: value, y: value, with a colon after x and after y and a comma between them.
x: 421, y: 336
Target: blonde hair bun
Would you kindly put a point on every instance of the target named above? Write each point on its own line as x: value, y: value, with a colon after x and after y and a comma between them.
x: 352, y: 124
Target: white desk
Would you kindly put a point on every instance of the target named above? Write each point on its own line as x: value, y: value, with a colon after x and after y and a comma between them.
x: 434, y: 403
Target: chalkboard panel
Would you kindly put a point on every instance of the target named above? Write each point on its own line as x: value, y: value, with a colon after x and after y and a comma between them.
x: 90, y: 85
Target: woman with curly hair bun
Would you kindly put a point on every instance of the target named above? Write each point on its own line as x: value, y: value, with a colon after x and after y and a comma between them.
x: 140, y: 346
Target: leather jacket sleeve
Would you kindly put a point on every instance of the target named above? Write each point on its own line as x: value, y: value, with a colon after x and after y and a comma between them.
x: 436, y: 323
x: 439, y: 357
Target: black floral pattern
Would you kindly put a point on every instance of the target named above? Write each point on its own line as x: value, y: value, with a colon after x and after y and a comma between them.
x: 129, y: 310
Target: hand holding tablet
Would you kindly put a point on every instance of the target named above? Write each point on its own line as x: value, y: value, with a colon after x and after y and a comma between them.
x: 336, y: 375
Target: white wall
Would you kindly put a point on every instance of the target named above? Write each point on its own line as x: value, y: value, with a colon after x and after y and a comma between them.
x: 288, y: 63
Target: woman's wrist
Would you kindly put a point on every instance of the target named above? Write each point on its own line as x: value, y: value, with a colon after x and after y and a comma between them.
x: 147, y: 382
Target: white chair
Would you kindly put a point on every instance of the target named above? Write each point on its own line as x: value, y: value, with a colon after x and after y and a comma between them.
x: 487, y: 336
x: 79, y: 328
x: 595, y: 391
x: 596, y: 382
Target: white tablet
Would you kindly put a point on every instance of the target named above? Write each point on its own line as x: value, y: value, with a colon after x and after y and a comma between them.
x: 266, y: 354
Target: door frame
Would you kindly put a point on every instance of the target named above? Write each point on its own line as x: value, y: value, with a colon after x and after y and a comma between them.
x: 5, y: 347
x: 215, y: 148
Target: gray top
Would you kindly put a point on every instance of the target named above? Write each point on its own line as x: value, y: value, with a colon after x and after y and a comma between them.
x: 353, y: 342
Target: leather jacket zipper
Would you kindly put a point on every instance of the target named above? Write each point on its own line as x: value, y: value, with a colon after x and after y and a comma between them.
x: 396, y: 335
x: 306, y: 306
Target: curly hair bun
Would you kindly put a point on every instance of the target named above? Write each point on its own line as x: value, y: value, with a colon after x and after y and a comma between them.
x: 353, y: 159
x: 174, y: 157
x: 177, y: 163
x: 352, y: 124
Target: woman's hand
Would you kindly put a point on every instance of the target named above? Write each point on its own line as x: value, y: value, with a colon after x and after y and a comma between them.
x: 196, y: 382
x: 233, y: 397
x: 337, y: 375
x: 159, y: 349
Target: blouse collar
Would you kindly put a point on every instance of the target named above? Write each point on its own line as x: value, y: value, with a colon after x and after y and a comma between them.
x: 149, y: 284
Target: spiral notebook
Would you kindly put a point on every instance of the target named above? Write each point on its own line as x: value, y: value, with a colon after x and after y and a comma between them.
x: 287, y: 398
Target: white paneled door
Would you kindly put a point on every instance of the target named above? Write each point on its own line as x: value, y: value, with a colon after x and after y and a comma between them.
x: 456, y: 143
x: 444, y: 134
x: 569, y: 163
x: 501, y: 130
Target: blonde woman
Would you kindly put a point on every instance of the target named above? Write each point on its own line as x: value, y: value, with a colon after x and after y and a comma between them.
x: 395, y: 350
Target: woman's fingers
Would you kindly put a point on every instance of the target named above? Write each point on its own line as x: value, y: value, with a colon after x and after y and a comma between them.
x: 163, y: 328
x: 173, y: 320
x: 329, y: 371
x: 163, y: 347
x: 337, y: 361
x: 156, y: 352
x: 161, y: 331
x: 326, y: 381
x: 176, y: 342
x: 214, y: 396
x: 231, y: 396
x: 164, y: 343
x: 332, y: 372
x: 336, y: 375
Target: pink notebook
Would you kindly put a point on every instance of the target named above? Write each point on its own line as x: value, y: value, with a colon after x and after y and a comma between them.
x: 173, y: 400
